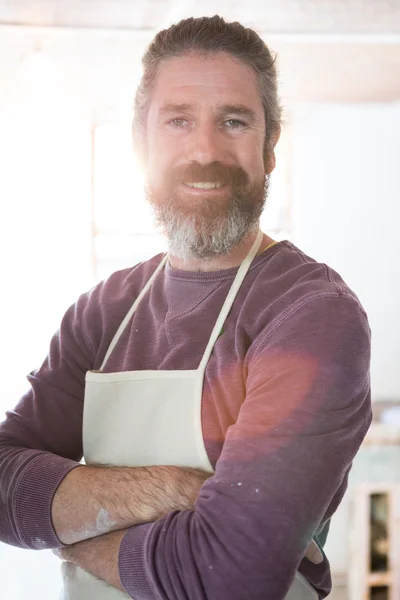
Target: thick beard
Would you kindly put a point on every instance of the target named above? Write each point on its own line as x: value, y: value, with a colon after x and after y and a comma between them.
x: 206, y: 229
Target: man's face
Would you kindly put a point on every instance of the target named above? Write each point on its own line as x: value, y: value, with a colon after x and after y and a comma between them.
x: 204, y: 153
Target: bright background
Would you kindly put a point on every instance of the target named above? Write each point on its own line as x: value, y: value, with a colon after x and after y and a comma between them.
x: 71, y: 199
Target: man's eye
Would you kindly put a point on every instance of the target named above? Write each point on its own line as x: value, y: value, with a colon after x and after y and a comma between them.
x: 179, y: 122
x: 234, y: 124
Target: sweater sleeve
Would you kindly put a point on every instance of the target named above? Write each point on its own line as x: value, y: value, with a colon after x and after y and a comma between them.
x: 41, y: 439
x: 282, y: 471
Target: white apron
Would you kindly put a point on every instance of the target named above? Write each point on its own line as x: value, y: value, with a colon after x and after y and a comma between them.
x: 143, y: 418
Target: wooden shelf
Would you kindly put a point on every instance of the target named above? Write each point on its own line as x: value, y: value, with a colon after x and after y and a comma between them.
x: 380, y: 579
x: 361, y: 580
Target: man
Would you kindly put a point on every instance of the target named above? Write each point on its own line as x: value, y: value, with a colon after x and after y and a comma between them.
x: 223, y: 389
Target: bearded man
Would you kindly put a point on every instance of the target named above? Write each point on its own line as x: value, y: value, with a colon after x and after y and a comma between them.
x: 218, y: 393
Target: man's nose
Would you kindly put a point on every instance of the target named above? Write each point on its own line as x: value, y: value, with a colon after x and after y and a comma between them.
x: 205, y: 145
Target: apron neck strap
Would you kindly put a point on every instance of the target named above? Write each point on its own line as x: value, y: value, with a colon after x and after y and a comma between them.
x: 131, y: 311
x: 237, y: 282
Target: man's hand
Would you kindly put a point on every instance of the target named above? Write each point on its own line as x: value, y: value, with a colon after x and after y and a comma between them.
x: 98, y: 556
x: 92, y: 501
x: 313, y: 553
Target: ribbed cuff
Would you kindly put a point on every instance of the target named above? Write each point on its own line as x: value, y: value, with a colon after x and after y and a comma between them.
x: 132, y: 566
x: 33, y: 499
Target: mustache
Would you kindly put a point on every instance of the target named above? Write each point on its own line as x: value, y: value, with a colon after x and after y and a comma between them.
x: 214, y: 172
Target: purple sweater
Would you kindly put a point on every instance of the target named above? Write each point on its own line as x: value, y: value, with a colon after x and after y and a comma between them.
x: 286, y: 405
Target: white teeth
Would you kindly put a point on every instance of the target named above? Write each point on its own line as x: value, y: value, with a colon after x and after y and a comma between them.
x: 205, y: 185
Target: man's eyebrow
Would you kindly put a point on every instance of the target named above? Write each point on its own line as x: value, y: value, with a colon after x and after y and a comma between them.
x: 238, y: 109
x: 170, y: 107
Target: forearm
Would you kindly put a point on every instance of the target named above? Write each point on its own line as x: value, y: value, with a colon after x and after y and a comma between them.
x: 93, y: 501
x: 98, y: 556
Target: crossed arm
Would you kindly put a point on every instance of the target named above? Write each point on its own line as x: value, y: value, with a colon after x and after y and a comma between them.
x: 93, y: 507
x: 99, y: 556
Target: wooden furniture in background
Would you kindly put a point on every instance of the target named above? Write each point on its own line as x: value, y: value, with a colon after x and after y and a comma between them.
x: 374, y: 566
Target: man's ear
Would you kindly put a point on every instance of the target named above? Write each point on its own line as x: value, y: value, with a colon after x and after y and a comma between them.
x: 270, y: 160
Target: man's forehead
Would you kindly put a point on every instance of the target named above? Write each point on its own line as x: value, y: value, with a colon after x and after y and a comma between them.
x: 219, y: 81
x: 205, y: 69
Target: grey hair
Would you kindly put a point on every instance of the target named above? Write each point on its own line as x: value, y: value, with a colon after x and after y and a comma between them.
x: 205, y: 36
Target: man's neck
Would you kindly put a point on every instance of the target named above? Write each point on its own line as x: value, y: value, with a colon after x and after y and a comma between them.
x: 225, y: 261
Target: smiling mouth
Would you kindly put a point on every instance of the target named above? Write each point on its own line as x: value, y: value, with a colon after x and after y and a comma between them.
x: 204, y: 185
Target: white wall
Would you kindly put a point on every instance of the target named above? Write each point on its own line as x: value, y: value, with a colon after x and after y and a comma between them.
x: 45, y: 259
x: 45, y: 226
x: 346, y: 212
